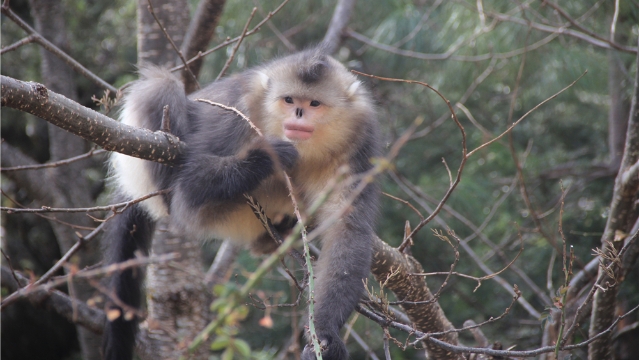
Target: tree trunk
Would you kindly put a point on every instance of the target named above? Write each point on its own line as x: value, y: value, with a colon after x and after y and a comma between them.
x: 619, y: 107
x: 178, y: 301
x: 153, y: 46
x: 71, y: 187
x: 623, y: 215
x: 198, y: 36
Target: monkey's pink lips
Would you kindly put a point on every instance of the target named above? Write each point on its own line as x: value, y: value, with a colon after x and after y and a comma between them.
x: 298, y: 131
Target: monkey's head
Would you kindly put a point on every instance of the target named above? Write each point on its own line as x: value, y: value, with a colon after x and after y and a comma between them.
x: 315, y: 102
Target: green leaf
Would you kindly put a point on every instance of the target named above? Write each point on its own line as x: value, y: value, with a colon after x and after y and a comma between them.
x: 228, y: 354
x: 242, y: 347
x: 221, y: 342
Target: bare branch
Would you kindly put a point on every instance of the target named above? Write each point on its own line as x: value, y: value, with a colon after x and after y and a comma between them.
x: 525, y: 115
x: 237, y: 46
x: 28, y: 40
x: 621, y: 219
x: 54, y: 163
x: 119, y: 207
x: 461, y: 165
x: 175, y: 47
x: 87, y: 316
x: 16, y: 295
x: 339, y: 21
x: 199, y: 34
x: 563, y: 30
x: 36, y: 99
x: 448, y: 55
x: 55, y: 50
x: 255, y: 29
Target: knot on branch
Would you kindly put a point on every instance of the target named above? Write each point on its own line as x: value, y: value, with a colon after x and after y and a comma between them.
x: 39, y: 90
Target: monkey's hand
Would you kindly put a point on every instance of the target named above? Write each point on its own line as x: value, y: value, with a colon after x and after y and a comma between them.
x: 332, y: 348
x: 286, y: 152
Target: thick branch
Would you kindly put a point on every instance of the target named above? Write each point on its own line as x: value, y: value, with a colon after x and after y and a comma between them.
x: 623, y: 215
x: 339, y: 21
x: 197, y: 37
x: 36, y: 99
x: 427, y: 317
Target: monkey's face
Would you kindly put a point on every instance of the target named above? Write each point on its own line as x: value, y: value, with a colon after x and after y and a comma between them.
x: 300, y: 117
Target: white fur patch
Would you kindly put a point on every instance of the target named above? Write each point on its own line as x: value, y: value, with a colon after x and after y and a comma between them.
x: 134, y: 180
x: 132, y: 175
x: 264, y: 79
x: 353, y: 88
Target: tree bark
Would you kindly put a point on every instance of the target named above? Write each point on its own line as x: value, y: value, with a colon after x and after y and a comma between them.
x: 88, y: 124
x: 178, y: 301
x: 72, y: 189
x: 198, y: 36
x: 427, y: 317
x: 623, y: 215
x: 339, y: 22
x: 153, y: 46
x: 618, y: 111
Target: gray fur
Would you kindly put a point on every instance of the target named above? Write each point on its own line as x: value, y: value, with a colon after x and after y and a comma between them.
x: 225, y: 158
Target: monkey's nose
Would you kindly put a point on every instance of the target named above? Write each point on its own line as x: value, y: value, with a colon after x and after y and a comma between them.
x: 299, y: 112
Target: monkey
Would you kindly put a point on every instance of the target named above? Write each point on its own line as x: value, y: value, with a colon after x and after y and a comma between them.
x: 316, y: 117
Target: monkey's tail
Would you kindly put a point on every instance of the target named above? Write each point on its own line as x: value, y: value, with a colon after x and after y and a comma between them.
x: 129, y: 232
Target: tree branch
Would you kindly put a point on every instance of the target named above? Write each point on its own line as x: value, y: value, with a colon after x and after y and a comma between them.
x: 36, y: 99
x: 56, y: 51
x: 623, y: 215
x: 339, y: 21
x: 199, y: 34
x: 91, y: 318
x: 427, y: 316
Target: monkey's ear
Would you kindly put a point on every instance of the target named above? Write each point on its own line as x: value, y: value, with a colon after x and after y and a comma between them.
x: 353, y: 88
x: 264, y: 79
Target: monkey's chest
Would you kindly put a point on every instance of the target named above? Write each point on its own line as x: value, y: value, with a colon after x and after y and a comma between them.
x: 242, y: 225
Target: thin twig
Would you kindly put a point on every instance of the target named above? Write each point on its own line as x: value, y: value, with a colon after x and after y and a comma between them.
x: 58, y: 265
x: 383, y: 321
x: 449, y: 55
x: 238, y: 112
x: 461, y: 165
x: 29, y: 39
x: 289, y: 45
x: 236, y: 47
x: 235, y: 39
x: 564, y: 30
x: 175, y: 47
x: 55, y: 163
x: 166, y: 120
x: 6, y: 10
x: 123, y: 205
x: 525, y: 115
x: 405, y: 203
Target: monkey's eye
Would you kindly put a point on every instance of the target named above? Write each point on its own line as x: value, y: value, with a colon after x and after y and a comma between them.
x: 288, y: 100
x: 315, y: 103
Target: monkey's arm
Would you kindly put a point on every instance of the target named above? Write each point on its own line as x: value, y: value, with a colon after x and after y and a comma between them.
x: 209, y: 178
x: 343, y: 265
